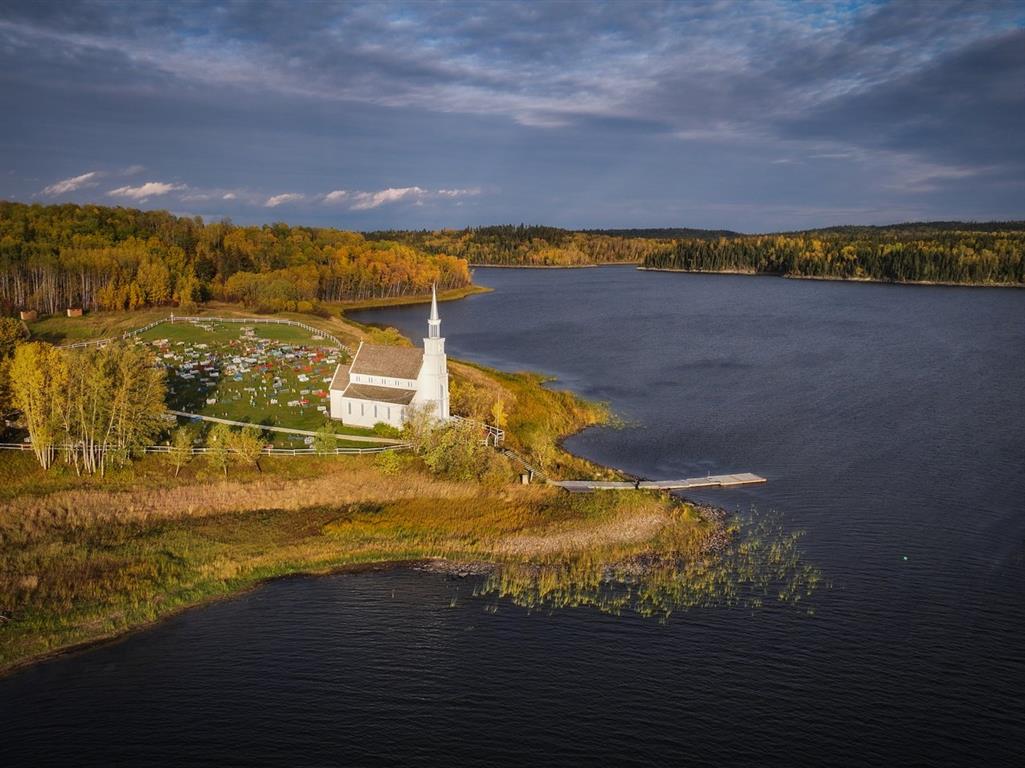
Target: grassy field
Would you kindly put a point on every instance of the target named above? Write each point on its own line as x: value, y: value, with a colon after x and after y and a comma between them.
x: 59, y: 329
x: 271, y: 375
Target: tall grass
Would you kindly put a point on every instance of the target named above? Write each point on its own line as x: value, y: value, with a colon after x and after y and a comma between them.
x: 82, y: 564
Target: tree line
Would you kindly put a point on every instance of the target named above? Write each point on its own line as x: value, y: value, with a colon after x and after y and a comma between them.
x: 524, y: 245
x: 96, y: 257
x: 941, y: 252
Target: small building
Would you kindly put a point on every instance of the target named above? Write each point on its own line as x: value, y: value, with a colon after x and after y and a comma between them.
x: 74, y: 311
x: 383, y: 383
x: 28, y: 315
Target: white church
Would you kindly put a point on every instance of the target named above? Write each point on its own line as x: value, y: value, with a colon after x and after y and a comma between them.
x: 382, y: 383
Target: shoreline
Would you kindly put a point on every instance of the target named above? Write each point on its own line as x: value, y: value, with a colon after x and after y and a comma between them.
x: 832, y: 279
x: 479, y: 565
x: 125, y: 634
x: 556, y: 266
x: 452, y: 294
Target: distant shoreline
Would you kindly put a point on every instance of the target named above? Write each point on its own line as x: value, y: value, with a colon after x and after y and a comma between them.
x: 557, y: 266
x: 399, y: 301
x: 832, y: 279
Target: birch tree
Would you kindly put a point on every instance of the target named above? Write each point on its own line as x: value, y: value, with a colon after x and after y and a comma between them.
x: 246, y: 446
x: 115, y: 405
x: 181, y: 449
x: 218, y: 443
x: 38, y: 382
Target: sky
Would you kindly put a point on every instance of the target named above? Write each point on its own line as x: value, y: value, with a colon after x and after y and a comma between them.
x: 753, y: 116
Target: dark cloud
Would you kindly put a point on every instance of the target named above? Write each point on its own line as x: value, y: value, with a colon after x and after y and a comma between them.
x: 757, y: 115
x: 967, y: 108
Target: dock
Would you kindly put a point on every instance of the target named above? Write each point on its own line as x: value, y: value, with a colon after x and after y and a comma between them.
x: 690, y: 483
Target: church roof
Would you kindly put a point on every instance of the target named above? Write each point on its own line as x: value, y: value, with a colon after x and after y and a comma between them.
x: 378, y: 360
x: 392, y: 395
x: 341, y: 378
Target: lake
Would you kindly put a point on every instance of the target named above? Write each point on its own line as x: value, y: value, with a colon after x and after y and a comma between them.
x: 890, y: 423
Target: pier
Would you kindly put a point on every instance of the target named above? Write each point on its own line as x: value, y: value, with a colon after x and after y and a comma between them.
x: 709, y: 481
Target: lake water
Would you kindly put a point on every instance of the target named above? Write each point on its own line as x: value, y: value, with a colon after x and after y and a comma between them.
x: 890, y: 422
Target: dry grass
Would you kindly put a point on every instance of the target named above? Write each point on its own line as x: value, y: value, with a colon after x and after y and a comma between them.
x: 81, y: 564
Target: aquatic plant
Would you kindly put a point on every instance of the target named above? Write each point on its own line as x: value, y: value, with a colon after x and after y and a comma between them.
x: 760, y: 561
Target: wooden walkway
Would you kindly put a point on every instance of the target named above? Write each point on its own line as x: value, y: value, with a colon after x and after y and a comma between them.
x: 709, y: 481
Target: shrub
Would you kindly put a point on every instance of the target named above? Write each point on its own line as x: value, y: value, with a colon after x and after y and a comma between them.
x: 456, y: 450
x: 382, y: 429
x: 391, y: 462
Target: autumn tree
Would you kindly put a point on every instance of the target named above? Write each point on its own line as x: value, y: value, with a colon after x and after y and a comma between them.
x: 39, y: 383
x: 324, y: 440
x: 181, y: 448
x: 246, y: 446
x: 115, y: 404
x: 218, y: 444
x: 12, y: 333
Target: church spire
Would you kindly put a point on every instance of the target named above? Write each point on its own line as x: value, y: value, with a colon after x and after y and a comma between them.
x: 434, y: 323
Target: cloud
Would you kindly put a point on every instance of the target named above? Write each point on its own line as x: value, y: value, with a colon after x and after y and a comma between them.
x: 228, y: 196
x: 146, y: 191
x: 583, y: 114
x: 70, y: 185
x: 288, y: 197
x: 365, y: 201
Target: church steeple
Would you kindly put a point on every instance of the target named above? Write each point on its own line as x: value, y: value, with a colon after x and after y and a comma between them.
x: 433, y: 383
x: 434, y: 323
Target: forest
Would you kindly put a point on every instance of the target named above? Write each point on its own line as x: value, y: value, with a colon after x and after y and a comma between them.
x: 943, y: 252
x: 95, y: 257
x: 532, y: 246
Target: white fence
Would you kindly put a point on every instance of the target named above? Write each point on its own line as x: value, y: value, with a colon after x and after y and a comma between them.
x: 493, y: 435
x: 200, y: 319
x: 267, y: 451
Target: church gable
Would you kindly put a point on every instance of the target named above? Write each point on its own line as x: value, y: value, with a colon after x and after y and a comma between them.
x: 341, y: 378
x: 387, y: 362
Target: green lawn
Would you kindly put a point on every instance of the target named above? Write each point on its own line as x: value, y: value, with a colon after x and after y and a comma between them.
x: 264, y: 374
x: 58, y: 329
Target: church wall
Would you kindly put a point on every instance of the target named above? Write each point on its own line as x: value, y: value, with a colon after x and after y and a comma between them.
x: 362, y: 413
x: 336, y: 404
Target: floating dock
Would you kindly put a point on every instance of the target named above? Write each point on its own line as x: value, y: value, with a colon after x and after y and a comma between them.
x: 709, y: 481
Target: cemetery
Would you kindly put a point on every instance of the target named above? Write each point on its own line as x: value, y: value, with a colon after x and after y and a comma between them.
x: 264, y: 374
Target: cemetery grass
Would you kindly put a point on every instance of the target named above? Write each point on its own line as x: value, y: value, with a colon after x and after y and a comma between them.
x: 267, y: 389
